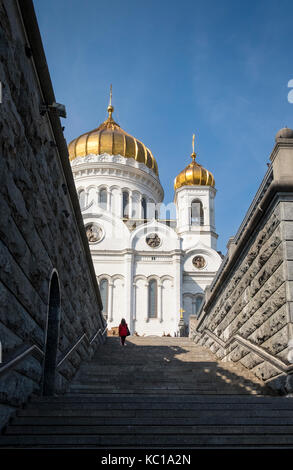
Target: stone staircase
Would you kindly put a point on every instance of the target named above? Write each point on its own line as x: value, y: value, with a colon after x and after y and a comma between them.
x: 156, y: 392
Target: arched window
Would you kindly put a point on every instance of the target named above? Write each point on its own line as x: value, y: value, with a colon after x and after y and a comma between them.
x: 196, y: 217
x: 104, y: 284
x: 125, y: 196
x: 198, y: 302
x: 144, y: 208
x: 103, y: 198
x: 153, y: 299
x: 81, y: 197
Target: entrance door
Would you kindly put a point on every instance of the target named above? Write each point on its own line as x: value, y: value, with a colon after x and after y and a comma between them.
x: 52, y: 337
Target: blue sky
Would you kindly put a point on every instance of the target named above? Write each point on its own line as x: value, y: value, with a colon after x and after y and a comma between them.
x: 216, y: 69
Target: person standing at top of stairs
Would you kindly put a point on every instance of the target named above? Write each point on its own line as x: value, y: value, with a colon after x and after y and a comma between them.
x: 123, y: 331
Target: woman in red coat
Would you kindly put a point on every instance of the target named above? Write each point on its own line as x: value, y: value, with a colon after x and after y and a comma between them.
x: 123, y: 331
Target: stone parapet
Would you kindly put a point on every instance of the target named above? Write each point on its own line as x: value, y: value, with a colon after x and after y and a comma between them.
x: 247, y: 316
x: 41, y: 226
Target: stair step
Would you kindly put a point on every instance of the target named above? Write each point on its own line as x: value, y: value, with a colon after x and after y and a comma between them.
x: 199, y: 420
x: 153, y: 398
x: 178, y: 392
x: 164, y: 440
x: 156, y: 406
x: 162, y: 429
x: 39, y: 413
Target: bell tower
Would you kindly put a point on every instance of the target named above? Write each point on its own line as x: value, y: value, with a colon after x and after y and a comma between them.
x: 194, y: 199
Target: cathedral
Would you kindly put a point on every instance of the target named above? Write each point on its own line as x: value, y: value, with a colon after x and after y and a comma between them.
x: 152, y: 261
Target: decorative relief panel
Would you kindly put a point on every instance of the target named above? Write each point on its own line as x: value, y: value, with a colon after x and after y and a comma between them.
x: 94, y: 232
x: 153, y: 240
x: 199, y: 262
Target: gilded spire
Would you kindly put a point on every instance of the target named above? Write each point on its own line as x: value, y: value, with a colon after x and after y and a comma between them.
x: 110, y: 102
x: 110, y: 107
x: 194, y: 174
x: 193, y: 155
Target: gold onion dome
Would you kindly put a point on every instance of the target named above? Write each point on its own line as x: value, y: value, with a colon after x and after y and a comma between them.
x: 194, y: 174
x: 110, y: 138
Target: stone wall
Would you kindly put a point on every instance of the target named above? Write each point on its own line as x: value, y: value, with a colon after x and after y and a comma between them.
x: 247, y: 315
x: 41, y: 227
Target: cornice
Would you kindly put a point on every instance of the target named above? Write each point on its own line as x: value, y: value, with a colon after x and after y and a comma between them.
x: 136, y: 253
x: 280, y: 143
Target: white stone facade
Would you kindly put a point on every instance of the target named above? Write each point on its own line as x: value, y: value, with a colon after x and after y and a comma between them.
x: 143, y: 251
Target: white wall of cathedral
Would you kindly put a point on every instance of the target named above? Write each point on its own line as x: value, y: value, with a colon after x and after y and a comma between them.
x: 195, y: 281
x: 193, y: 292
x: 130, y: 264
x: 125, y: 259
x: 166, y: 318
x: 115, y: 234
x: 168, y: 237
x: 175, y: 290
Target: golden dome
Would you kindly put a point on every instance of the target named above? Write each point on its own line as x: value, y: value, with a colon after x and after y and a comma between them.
x: 110, y: 138
x: 194, y: 174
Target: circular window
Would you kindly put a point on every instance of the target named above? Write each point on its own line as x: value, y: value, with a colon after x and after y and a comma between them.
x: 153, y: 240
x: 94, y: 232
x: 199, y: 262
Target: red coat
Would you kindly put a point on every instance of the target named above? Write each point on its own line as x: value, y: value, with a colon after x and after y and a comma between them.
x: 123, y: 330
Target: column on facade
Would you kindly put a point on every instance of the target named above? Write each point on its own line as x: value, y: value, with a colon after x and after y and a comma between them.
x: 130, y: 207
x: 178, y: 290
x: 136, y: 206
x: 140, y: 214
x: 129, y: 288
x: 109, y: 200
x: 121, y: 203
x: 86, y: 198
x: 110, y: 302
x: 147, y: 289
x: 160, y: 306
x: 134, y: 288
x: 212, y: 210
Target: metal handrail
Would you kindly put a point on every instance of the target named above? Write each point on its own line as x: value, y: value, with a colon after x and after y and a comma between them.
x: 71, y: 350
x: 94, y: 337
x: 84, y: 336
x: 34, y: 349
x: 4, y: 368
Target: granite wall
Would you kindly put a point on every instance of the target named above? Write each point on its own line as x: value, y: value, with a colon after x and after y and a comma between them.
x: 247, y: 315
x: 41, y: 228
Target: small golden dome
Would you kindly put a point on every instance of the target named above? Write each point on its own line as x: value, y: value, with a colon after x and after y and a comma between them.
x: 194, y: 174
x: 110, y: 138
